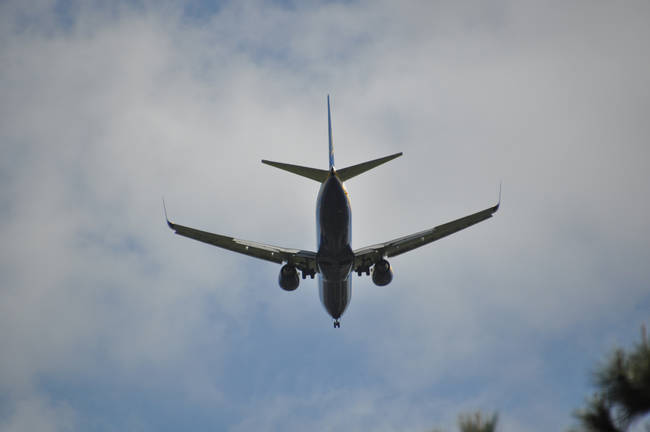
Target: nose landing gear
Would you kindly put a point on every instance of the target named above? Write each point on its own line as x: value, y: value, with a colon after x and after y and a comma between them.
x: 337, y: 324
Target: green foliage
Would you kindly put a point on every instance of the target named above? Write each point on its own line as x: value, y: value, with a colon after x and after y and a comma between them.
x: 597, y: 416
x: 477, y: 422
x: 623, y: 395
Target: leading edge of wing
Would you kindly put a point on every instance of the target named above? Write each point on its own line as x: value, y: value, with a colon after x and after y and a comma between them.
x: 368, y: 255
x: 304, y: 260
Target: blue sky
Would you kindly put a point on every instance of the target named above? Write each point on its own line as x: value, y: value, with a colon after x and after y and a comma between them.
x: 109, y: 322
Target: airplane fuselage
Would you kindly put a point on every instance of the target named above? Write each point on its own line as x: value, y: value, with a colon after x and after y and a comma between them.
x: 334, y: 257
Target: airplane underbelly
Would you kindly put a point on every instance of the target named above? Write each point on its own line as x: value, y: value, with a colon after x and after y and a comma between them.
x: 335, y: 296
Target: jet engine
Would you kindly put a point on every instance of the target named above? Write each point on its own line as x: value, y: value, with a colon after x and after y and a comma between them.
x: 382, y: 273
x: 288, y: 278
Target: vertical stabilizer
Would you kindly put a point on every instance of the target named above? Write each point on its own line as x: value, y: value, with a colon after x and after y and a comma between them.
x: 329, y: 129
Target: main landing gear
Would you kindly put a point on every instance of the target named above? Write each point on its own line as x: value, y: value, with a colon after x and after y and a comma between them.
x: 337, y: 324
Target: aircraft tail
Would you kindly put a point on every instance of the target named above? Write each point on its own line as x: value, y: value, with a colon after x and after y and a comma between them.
x: 329, y: 130
x: 321, y: 175
x: 313, y: 173
x: 354, y: 170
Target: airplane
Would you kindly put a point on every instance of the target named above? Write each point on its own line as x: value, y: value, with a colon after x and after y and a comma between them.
x: 335, y: 260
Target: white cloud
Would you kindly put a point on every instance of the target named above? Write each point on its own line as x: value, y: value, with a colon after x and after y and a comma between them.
x: 105, y: 111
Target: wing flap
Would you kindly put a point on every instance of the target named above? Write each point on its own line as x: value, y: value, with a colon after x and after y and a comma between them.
x: 367, y: 256
x: 304, y: 260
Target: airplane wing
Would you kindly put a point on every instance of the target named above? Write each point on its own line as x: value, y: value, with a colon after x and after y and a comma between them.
x: 303, y: 260
x: 368, y: 256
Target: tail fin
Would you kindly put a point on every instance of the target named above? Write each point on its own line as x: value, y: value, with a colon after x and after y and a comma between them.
x: 355, y: 170
x: 321, y: 175
x: 329, y: 129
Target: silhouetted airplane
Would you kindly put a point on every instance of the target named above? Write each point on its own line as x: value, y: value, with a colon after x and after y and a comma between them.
x: 335, y: 259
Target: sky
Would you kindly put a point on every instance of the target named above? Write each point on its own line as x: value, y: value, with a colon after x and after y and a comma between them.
x: 110, y: 322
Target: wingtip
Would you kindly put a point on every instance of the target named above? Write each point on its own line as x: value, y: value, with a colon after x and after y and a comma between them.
x: 169, y: 224
x: 394, y: 156
x: 496, y: 207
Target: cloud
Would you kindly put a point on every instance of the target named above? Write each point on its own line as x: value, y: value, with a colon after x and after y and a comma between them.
x: 37, y: 414
x: 111, y: 322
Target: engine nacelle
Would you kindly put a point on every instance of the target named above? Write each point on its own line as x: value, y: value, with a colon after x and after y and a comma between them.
x: 288, y: 279
x: 382, y: 274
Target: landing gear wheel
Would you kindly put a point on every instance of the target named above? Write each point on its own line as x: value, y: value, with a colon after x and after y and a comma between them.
x: 337, y: 324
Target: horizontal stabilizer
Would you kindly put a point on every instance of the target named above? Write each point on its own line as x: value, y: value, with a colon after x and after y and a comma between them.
x: 313, y: 173
x: 354, y: 170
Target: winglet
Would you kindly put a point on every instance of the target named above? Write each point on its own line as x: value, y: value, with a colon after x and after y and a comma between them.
x: 499, y: 202
x: 171, y: 225
x: 329, y: 130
